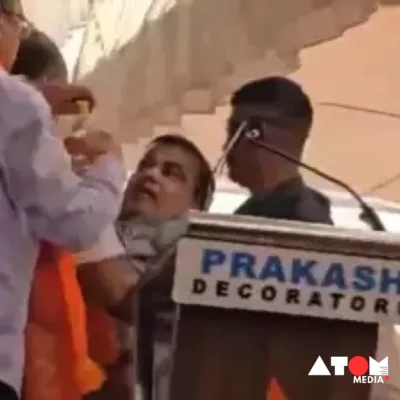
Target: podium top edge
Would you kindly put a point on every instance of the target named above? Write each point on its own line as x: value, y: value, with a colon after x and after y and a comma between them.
x: 299, y: 234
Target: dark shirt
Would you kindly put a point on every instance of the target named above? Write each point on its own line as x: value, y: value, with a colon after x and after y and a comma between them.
x: 292, y: 200
x: 295, y: 341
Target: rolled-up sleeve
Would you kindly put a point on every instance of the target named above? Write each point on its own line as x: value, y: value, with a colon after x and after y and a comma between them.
x: 60, y: 207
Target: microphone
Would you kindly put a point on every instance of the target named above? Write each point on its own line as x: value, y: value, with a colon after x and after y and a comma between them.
x: 368, y: 214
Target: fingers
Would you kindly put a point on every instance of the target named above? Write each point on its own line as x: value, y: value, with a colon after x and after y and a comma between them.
x: 64, y: 99
x: 92, y: 145
x: 75, y: 145
x: 82, y: 93
x: 80, y: 165
x: 72, y: 96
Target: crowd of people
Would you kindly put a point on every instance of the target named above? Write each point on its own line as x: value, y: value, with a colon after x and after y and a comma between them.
x: 67, y: 324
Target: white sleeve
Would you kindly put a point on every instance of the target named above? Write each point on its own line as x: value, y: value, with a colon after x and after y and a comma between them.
x: 108, y: 246
x: 61, y: 207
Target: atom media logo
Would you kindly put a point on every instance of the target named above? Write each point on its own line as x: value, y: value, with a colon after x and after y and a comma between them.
x: 378, y: 371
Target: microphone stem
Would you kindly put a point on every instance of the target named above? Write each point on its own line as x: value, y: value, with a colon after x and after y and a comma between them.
x: 368, y: 214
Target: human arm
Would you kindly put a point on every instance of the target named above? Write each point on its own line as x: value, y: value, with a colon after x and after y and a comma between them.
x: 60, y: 207
x: 124, y: 259
x: 106, y: 275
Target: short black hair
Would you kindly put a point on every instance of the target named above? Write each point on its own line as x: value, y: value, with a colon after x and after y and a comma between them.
x: 205, y: 185
x: 7, y: 4
x: 37, y: 56
x: 281, y: 93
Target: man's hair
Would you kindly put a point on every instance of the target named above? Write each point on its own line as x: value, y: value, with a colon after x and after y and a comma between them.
x: 281, y: 93
x: 37, y: 55
x: 7, y: 4
x: 205, y: 184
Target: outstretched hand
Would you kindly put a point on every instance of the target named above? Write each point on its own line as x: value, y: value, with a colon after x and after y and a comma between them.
x: 63, y: 98
x: 92, y: 145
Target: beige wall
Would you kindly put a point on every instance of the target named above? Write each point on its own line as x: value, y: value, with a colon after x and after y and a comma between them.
x: 359, y: 69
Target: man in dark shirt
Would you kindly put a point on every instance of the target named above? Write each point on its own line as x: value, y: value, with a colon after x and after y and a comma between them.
x: 279, y: 109
x: 282, y: 114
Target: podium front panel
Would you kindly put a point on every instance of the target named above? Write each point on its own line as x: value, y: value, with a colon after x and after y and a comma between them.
x: 260, y: 301
x: 230, y: 354
x: 287, y: 280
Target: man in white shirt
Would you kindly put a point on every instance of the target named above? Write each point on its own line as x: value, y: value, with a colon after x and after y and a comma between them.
x: 40, y: 196
x: 171, y: 178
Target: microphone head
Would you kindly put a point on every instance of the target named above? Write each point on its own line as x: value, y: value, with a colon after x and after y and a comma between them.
x: 253, y: 134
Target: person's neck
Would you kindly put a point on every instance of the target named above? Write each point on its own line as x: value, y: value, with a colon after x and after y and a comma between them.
x: 268, y: 183
x: 126, y: 215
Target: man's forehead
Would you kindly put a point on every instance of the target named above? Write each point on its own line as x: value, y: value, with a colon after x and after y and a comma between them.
x: 172, y: 152
x: 245, y: 111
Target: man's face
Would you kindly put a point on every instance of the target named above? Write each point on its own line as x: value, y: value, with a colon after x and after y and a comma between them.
x: 164, y: 183
x: 246, y: 161
x: 13, y: 26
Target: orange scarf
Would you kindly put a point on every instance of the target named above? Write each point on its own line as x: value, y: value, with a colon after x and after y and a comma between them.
x: 57, y: 363
x: 274, y: 391
x: 102, y: 336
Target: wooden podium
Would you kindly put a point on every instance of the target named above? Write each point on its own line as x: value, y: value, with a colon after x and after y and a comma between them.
x: 258, y: 301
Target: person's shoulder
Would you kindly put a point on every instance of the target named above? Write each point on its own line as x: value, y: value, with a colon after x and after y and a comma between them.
x: 314, y: 206
x: 19, y: 97
x: 16, y: 89
x: 319, y: 196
